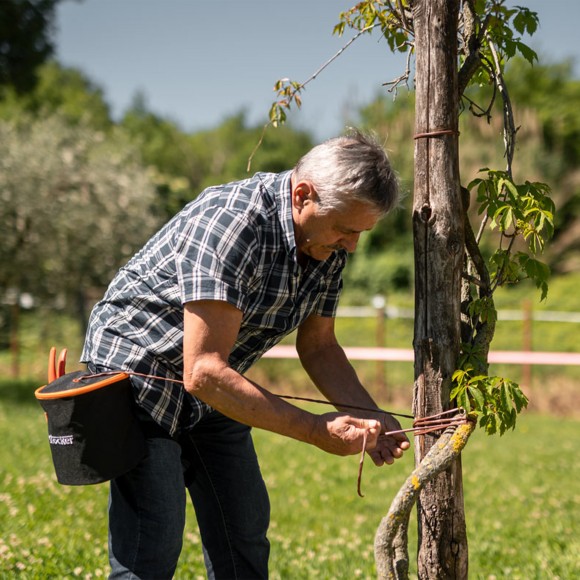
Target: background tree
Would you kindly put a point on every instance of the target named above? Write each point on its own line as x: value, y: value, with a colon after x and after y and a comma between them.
x: 72, y: 215
x: 59, y: 90
x: 26, y: 41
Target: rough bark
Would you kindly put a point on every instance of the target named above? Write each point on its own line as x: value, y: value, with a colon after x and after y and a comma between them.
x: 439, y: 248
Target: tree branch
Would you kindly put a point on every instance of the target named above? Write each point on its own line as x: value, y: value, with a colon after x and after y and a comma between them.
x: 391, y: 556
x: 475, y: 256
x: 293, y: 94
x: 509, y: 131
x: 338, y: 53
x: 484, y: 330
x: 472, y: 41
x: 403, y: 17
x: 472, y: 57
x: 404, y: 77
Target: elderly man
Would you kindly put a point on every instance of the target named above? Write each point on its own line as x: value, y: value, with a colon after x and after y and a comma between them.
x: 221, y: 283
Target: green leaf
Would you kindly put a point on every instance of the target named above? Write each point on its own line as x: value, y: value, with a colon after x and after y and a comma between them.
x: 520, y: 400
x: 530, y: 55
x: 339, y: 28
x: 510, y: 186
x: 505, y: 398
x: 491, y: 384
x: 506, y: 217
x: 475, y: 182
x: 463, y: 400
x: 509, y: 47
x: 455, y: 391
x: 543, y: 288
x: 478, y: 397
x: 502, y: 426
x: 491, y: 425
x: 273, y: 114
x: 483, y: 421
x: 525, y: 21
x: 519, y: 22
x: 537, y: 270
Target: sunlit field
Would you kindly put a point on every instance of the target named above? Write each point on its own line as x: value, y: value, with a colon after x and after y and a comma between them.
x: 521, y: 493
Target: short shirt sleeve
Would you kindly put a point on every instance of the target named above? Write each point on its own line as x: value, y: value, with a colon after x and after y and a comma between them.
x: 216, y: 256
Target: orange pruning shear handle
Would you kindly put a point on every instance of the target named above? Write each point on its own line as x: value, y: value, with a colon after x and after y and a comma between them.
x: 56, y: 370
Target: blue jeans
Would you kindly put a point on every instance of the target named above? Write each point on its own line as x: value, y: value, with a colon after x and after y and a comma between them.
x: 217, y: 464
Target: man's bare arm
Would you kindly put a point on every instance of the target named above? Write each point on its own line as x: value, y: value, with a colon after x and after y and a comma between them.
x: 210, y: 331
x: 327, y: 365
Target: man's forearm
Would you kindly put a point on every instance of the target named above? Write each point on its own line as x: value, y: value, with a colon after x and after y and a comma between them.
x: 242, y: 400
x: 334, y: 376
x: 232, y: 394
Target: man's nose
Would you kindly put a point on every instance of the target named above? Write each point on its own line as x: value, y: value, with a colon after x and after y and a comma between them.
x: 350, y: 242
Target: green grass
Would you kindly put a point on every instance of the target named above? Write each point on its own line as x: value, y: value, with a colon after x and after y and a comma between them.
x: 521, y: 492
x: 521, y: 495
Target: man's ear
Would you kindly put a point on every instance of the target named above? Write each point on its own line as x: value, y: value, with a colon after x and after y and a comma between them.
x: 302, y: 194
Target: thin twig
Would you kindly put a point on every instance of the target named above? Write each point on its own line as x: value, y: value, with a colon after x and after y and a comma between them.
x: 257, y: 146
x: 336, y: 55
x: 302, y: 85
x: 405, y: 76
x: 402, y: 17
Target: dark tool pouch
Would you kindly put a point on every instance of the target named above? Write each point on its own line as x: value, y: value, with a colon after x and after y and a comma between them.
x: 93, y: 431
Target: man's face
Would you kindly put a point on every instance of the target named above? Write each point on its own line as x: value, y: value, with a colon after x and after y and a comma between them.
x: 318, y: 234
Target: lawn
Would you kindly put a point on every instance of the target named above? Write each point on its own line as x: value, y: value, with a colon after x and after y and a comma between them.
x: 521, y: 494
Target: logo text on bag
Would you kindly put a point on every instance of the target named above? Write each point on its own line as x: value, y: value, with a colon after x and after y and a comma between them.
x: 61, y: 439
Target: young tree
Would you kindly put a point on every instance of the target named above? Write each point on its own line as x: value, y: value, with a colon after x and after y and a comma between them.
x: 438, y: 232
x: 454, y: 312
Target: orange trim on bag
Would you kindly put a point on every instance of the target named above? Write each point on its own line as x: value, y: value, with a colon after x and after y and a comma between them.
x: 80, y: 390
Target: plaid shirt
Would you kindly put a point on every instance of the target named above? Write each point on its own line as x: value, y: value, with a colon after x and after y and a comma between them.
x: 234, y: 243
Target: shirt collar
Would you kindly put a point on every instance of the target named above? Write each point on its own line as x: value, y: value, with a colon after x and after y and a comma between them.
x: 281, y: 190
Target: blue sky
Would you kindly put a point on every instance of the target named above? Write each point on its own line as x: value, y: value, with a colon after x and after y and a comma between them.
x: 200, y: 61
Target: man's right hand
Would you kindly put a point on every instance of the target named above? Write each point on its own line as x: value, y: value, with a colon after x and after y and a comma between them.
x: 341, y: 434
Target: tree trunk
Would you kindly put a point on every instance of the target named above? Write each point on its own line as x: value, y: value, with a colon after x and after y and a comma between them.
x: 439, y: 242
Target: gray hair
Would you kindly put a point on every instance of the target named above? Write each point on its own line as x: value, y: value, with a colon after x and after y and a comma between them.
x: 347, y: 168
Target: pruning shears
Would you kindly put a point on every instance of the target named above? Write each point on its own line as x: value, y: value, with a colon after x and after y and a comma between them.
x: 56, y: 369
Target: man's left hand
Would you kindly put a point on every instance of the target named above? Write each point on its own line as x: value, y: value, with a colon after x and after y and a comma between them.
x: 389, y: 447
